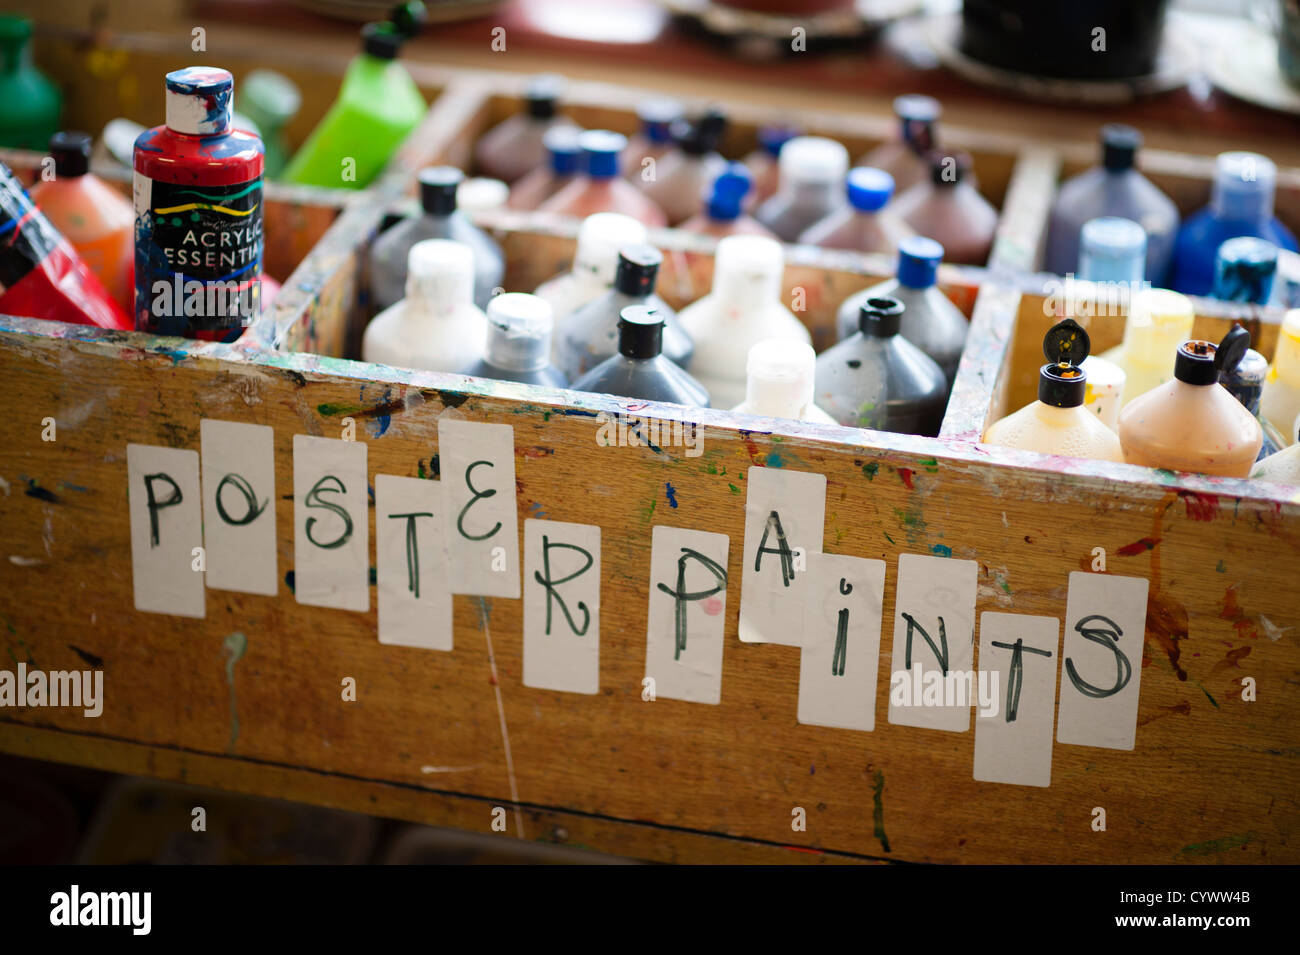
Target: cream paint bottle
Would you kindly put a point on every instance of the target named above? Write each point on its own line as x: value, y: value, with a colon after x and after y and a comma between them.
x: 1059, y: 422
x: 779, y: 377
x: 437, y: 326
x: 1193, y: 423
x: 1280, y: 403
x: 743, y: 308
x: 1158, y: 322
x: 594, y: 264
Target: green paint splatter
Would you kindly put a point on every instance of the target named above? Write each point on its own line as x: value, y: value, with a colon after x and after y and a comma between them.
x: 1006, y: 588
x: 1219, y: 845
x: 890, y: 539
x: 329, y: 409
x: 878, y: 810
x: 1207, y: 695
x: 869, y: 470
x: 1220, y: 568
x: 943, y: 550
x: 648, y: 512
x: 734, y: 489
x: 930, y: 464
x: 234, y: 647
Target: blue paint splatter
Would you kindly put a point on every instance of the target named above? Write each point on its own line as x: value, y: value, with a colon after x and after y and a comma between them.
x: 943, y: 550
x: 672, y: 493
x: 774, y: 460
x: 536, y: 508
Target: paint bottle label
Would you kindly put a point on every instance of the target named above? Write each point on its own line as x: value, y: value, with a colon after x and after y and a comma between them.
x: 201, y: 251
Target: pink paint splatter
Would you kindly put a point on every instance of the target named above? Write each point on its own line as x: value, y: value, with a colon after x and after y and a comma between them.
x: 713, y: 606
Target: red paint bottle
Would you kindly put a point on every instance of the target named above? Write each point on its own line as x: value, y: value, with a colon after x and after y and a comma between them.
x: 41, y: 275
x: 198, y: 214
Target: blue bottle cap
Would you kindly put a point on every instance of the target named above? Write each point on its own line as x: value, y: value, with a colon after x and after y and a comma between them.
x: 918, y: 261
x: 1244, y: 269
x: 772, y: 138
x: 1243, y: 186
x: 657, y: 115
x: 728, y: 192
x: 600, y: 150
x: 1112, y: 249
x: 869, y: 189
x: 562, y: 148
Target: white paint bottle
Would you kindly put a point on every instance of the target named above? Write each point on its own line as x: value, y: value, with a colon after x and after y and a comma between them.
x: 743, y: 309
x: 1158, y: 322
x: 595, y: 263
x: 437, y: 326
x: 779, y: 382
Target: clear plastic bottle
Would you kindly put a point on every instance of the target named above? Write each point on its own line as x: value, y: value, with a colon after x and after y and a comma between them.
x: 519, y: 342
x: 764, y: 163
x: 439, y: 219
x: 1244, y: 269
x: 1192, y: 423
x: 683, y: 175
x: 1115, y: 188
x: 93, y: 216
x: 1241, y: 203
x: 812, y: 186
x: 595, y: 263
x: 723, y: 213
x: 861, y: 226
x: 1058, y: 422
x: 515, y: 147
x: 1246, y: 384
x: 1158, y: 322
x: 931, y: 321
x: 905, y: 156
x: 590, y: 334
x: 655, y: 138
x: 779, y: 376
x: 599, y: 188
x: 948, y: 209
x: 640, y: 370
x: 1280, y: 402
x: 743, y: 308
x: 437, y: 326
x: 878, y: 379
x: 563, y: 158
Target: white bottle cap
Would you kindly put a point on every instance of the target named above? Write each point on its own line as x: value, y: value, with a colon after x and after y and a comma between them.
x: 519, y: 331
x: 440, y: 272
x: 813, y: 159
x: 480, y: 194
x: 599, y: 239
x: 748, y: 268
x: 779, y: 378
x: 1158, y: 322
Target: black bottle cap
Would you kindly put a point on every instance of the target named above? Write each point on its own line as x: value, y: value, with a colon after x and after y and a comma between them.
x: 948, y: 169
x: 880, y: 317
x: 71, y: 153
x: 1061, y: 382
x: 1201, y: 362
x: 381, y: 40
x: 438, y: 186
x: 640, y: 332
x: 638, y: 267
x: 701, y: 137
x: 542, y: 97
x: 409, y: 18
x: 1119, y: 146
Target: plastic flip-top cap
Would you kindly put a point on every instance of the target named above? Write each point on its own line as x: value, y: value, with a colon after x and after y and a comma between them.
x: 542, y: 97
x: 657, y: 115
x: 813, y: 159
x: 948, y: 169
x: 440, y: 270
x: 1119, y: 146
x: 438, y: 185
x: 382, y: 40
x: 1061, y: 382
x: 600, y: 151
x: 918, y: 261
x: 869, y: 189
x: 638, y: 267
x: 1201, y: 362
x: 779, y: 372
x: 71, y: 153
x: 561, y: 144
x: 640, y: 332
x: 880, y: 317
x: 726, y: 196
x: 772, y: 138
x: 1246, y: 381
x: 519, y: 331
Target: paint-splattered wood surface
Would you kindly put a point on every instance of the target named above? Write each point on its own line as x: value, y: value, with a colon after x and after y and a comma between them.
x: 1212, y: 778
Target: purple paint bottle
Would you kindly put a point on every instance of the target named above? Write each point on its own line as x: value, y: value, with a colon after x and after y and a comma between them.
x: 198, y: 214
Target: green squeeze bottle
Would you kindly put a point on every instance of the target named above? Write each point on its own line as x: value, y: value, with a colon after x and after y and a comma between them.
x: 378, y: 106
x: 29, y: 102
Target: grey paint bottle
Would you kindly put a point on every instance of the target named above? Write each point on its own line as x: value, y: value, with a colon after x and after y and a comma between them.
x: 590, y: 335
x: 877, y: 379
x: 439, y: 219
x: 519, y: 342
x: 640, y: 369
